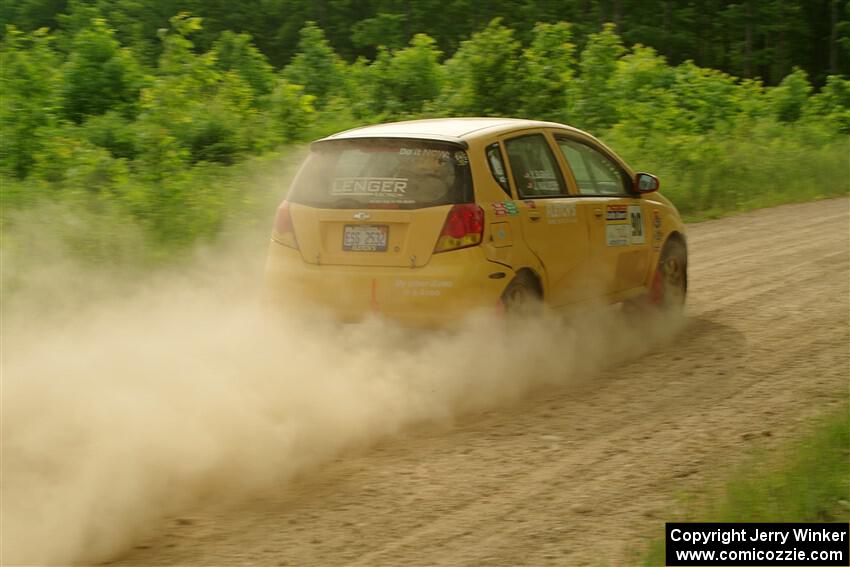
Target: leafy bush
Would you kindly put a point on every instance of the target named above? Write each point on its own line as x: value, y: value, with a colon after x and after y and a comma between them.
x: 316, y: 66
x: 99, y: 75
x: 161, y: 128
x: 484, y: 74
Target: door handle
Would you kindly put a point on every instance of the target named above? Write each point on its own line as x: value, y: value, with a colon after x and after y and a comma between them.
x: 597, y: 212
x: 534, y: 217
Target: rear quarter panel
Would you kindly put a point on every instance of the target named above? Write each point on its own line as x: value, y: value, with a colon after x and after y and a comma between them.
x: 503, y: 241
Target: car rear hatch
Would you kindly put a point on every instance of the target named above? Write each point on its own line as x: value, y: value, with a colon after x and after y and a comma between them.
x: 376, y: 201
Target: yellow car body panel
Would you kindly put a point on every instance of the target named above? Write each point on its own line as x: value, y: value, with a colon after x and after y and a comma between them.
x: 449, y: 286
x: 578, y: 247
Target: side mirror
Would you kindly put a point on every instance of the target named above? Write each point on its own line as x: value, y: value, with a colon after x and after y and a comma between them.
x: 646, y: 183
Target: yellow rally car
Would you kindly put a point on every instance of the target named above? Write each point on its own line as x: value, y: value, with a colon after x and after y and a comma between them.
x: 426, y: 220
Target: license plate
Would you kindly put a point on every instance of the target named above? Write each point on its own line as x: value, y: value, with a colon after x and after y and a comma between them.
x: 365, y: 237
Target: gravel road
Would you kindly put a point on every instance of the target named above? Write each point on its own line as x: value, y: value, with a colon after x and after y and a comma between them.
x: 581, y: 474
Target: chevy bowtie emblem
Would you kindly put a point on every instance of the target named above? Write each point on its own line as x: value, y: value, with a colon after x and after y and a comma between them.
x: 362, y: 215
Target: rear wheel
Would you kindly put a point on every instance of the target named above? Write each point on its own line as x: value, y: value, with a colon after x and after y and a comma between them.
x: 522, y: 296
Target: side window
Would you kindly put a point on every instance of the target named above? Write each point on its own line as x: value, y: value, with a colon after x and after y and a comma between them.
x: 497, y: 167
x: 535, y: 171
x: 595, y: 174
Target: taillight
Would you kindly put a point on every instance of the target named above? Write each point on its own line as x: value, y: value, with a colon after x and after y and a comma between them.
x: 464, y: 227
x: 284, y: 232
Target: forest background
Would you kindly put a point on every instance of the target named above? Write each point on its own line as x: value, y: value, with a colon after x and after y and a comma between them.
x: 178, y: 118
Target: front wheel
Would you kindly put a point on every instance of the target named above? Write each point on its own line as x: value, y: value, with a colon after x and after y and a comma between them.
x: 670, y: 284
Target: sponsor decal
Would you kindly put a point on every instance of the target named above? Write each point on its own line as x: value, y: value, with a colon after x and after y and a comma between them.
x: 502, y: 208
x: 629, y: 219
x: 617, y: 234
x: 423, y: 288
x: 616, y: 213
x: 424, y: 152
x: 541, y: 181
x: 369, y: 186
x: 530, y: 204
x: 461, y: 158
x: 656, y: 229
x: 538, y: 174
x: 636, y: 223
x: 560, y: 213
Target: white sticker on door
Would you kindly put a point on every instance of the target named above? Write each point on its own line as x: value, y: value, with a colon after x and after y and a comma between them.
x: 617, y: 234
x: 560, y: 213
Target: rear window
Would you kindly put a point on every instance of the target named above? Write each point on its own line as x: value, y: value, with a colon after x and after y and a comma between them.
x: 383, y: 174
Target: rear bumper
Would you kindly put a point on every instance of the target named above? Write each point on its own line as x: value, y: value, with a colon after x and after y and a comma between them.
x: 450, y: 285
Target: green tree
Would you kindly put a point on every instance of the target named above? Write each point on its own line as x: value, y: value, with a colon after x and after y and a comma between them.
x: 29, y: 82
x: 707, y: 97
x: 414, y: 76
x: 365, y: 82
x: 316, y: 66
x: 113, y: 132
x: 596, y: 95
x: 99, y: 75
x: 71, y: 163
x: 236, y: 52
x: 194, y: 104
x: 383, y: 29
x: 832, y: 104
x: 790, y: 97
x: 291, y: 111
x: 548, y: 72
x: 646, y: 102
x: 484, y: 75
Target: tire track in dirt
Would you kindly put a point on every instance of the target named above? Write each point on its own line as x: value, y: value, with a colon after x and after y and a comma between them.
x: 580, y: 475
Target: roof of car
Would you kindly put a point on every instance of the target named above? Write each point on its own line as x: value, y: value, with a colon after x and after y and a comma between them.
x: 456, y: 130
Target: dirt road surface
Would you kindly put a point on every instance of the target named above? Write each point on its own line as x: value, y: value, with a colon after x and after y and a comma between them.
x: 579, y: 475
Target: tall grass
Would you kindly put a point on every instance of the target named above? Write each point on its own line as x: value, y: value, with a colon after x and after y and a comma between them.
x: 711, y: 175
x: 807, y: 480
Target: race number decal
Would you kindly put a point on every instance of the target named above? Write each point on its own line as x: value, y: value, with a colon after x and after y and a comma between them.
x: 636, y: 222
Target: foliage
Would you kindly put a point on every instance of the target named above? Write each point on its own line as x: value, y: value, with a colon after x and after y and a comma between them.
x: 316, y: 66
x: 30, y: 84
x: 384, y: 29
x: 790, y: 97
x: 195, y: 104
x: 96, y: 113
x: 805, y: 482
x: 596, y: 93
x: 236, y: 52
x: 485, y: 74
x: 548, y: 71
x: 414, y: 76
x: 291, y: 112
x: 99, y: 75
x: 832, y: 104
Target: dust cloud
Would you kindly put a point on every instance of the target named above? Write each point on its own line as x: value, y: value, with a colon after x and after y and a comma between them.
x: 122, y: 405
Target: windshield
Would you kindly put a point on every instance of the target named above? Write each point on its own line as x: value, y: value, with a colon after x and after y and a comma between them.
x: 382, y: 174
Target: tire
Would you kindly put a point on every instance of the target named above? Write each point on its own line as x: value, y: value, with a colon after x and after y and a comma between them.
x: 670, y: 285
x: 522, y: 296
